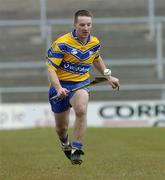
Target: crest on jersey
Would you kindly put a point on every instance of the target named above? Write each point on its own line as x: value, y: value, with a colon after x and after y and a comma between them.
x: 91, y: 53
x: 74, y: 51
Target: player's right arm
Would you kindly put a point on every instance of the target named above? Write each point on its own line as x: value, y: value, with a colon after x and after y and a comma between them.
x: 61, y: 92
x: 54, y: 58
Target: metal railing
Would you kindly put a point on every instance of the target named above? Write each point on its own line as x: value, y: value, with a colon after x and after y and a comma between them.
x: 158, y: 61
x: 125, y: 87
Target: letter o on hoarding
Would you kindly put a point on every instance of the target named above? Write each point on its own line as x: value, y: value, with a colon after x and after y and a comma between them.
x: 124, y: 111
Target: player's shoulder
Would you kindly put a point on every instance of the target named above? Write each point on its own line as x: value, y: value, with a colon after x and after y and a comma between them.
x: 95, y: 39
x: 63, y: 39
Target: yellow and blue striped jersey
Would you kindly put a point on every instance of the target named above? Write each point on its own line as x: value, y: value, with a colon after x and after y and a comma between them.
x: 71, y: 59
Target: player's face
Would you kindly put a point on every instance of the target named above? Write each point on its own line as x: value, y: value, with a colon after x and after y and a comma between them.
x: 83, y: 26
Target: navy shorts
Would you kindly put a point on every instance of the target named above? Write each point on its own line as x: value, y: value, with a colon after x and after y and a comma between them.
x: 61, y: 105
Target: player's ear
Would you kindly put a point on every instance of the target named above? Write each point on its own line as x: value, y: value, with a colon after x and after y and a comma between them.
x: 74, y: 22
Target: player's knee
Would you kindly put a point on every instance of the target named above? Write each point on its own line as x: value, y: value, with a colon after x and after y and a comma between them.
x: 80, y: 110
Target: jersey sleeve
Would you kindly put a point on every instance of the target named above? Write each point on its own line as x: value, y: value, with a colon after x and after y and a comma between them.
x: 97, y: 47
x: 54, y: 56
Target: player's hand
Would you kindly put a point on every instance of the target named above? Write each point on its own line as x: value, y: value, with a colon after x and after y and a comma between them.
x: 62, y: 92
x: 114, y: 82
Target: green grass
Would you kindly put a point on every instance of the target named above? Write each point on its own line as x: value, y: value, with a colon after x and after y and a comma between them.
x: 110, y: 154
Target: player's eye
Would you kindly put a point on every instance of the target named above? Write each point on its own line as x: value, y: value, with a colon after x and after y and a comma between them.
x: 82, y: 25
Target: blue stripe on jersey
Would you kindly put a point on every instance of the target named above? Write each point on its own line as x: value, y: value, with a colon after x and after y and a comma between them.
x: 51, y: 63
x: 95, y: 48
x: 77, y: 52
x: 76, y: 68
x: 53, y: 54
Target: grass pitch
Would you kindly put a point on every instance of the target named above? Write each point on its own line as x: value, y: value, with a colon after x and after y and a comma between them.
x: 110, y: 154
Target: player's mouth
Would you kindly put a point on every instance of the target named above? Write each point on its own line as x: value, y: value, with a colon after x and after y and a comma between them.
x: 85, y: 33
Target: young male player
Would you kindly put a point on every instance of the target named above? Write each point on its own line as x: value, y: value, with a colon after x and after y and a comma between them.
x: 69, y: 60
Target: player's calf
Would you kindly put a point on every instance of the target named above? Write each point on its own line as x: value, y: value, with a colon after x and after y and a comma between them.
x: 66, y: 147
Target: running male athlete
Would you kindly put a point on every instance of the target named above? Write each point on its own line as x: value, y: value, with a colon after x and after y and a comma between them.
x: 69, y: 60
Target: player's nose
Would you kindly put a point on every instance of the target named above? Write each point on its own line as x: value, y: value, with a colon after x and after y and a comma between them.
x: 86, y: 27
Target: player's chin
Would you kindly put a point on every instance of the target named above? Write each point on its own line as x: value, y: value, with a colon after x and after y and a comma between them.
x: 85, y: 35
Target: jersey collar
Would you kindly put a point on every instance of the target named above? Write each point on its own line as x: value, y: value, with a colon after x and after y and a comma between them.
x: 76, y: 37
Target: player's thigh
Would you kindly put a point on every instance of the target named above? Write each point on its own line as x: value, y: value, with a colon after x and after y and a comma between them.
x: 79, y: 101
x: 62, y: 119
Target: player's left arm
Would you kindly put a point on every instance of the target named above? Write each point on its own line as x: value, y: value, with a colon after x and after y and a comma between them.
x: 101, y: 67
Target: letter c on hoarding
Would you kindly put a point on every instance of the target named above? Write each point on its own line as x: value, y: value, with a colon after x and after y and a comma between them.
x: 103, y: 111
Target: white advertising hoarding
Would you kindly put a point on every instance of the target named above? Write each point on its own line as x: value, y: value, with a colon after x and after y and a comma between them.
x: 127, y: 113
x: 100, y: 114
x: 25, y: 115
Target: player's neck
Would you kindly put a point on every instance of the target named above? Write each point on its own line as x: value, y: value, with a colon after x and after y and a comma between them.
x: 83, y: 40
